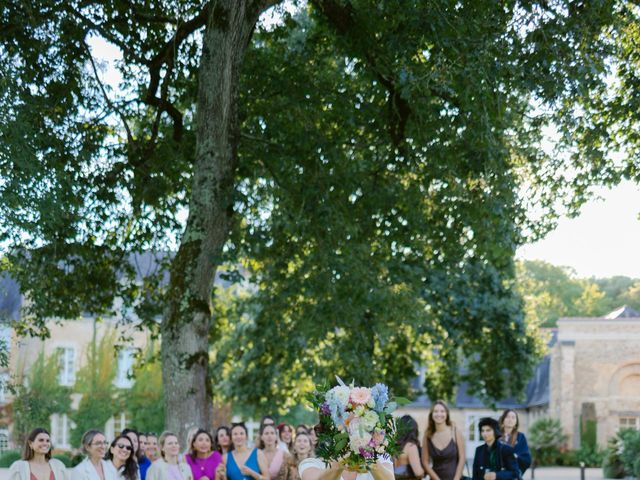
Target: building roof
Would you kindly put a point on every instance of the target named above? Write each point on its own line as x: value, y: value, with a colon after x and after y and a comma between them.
x: 624, y: 311
x: 536, y: 391
x: 10, y: 299
x: 144, y: 264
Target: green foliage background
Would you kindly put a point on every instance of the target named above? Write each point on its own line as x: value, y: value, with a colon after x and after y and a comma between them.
x: 551, y: 291
x: 95, y: 382
x: 39, y: 397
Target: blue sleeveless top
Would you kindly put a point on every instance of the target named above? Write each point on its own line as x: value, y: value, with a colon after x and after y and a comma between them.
x: 233, y: 470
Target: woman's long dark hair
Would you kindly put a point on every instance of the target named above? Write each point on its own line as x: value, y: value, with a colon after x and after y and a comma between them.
x: 130, y: 465
x: 217, y: 447
x: 137, y: 455
x: 513, y: 437
x: 192, y: 449
x: 408, y: 431
x: 28, y: 453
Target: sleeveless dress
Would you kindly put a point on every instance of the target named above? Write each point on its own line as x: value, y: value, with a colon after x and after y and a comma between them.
x: 276, y: 464
x: 445, y: 461
x: 233, y: 470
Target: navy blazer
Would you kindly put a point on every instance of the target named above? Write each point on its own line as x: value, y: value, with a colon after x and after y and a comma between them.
x: 507, y: 465
x: 523, y: 455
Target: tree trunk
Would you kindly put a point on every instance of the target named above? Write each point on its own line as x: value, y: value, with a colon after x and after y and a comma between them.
x: 185, y: 328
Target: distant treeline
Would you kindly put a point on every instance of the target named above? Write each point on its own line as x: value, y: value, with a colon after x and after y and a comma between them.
x: 551, y: 292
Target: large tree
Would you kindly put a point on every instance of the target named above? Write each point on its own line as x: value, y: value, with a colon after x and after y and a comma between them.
x: 368, y: 160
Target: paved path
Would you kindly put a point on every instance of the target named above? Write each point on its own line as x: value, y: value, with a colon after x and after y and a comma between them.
x: 542, y: 473
x: 564, y: 473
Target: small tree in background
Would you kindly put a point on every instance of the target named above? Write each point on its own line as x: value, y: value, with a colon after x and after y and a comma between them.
x: 145, y: 400
x: 546, y: 440
x: 95, y: 382
x: 39, y: 397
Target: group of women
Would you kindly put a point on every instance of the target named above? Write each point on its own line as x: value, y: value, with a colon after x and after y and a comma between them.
x: 278, y: 454
x: 225, y: 456
x: 442, y: 456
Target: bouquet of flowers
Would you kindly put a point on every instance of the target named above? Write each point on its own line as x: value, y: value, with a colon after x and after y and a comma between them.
x: 356, y: 425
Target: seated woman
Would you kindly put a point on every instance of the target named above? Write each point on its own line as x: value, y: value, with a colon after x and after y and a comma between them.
x: 493, y: 460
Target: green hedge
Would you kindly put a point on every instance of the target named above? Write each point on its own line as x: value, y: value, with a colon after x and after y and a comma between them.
x: 8, y: 457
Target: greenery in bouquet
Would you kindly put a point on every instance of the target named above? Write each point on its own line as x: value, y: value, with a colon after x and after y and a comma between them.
x: 356, y: 425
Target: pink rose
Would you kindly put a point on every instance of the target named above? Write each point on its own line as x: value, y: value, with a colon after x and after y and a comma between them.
x: 360, y: 395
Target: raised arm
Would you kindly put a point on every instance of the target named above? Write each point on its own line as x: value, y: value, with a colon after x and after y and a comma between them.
x: 314, y: 473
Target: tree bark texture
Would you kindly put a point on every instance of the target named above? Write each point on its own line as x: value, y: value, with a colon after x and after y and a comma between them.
x: 185, y: 328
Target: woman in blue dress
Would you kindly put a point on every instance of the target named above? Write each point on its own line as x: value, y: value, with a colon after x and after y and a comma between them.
x: 242, y: 462
x: 509, y: 424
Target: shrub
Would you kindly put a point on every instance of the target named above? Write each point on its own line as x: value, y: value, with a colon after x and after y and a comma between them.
x: 622, y: 455
x: 592, y: 456
x: 64, y: 458
x: 546, y: 440
x: 8, y: 457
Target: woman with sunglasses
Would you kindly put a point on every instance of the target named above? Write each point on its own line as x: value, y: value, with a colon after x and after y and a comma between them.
x: 120, y: 459
x: 36, y: 463
x: 93, y: 467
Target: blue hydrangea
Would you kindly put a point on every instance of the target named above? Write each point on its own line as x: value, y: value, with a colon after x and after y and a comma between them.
x: 380, y: 395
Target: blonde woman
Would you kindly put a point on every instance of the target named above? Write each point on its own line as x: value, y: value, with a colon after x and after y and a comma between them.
x: 169, y: 466
x: 302, y: 449
x: 93, y: 467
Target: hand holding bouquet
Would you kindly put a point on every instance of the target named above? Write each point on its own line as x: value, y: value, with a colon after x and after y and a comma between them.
x: 356, y: 425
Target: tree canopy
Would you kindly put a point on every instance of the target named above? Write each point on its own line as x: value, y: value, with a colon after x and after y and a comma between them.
x: 371, y: 165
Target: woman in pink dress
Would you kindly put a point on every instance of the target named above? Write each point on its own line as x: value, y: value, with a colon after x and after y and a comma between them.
x: 277, y: 459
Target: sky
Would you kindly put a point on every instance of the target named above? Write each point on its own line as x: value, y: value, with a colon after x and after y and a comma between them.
x: 603, y: 241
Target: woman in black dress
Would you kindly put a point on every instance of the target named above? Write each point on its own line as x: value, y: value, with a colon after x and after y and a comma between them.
x: 443, y: 446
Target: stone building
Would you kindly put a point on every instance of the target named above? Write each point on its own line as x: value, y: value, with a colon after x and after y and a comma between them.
x: 595, y: 374
x: 591, y: 374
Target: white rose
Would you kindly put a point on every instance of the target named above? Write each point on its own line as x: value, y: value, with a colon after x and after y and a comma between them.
x: 370, y: 420
x: 357, y: 441
x: 340, y: 393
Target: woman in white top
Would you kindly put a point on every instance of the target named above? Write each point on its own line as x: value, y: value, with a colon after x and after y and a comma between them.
x: 169, y: 466
x: 315, y: 469
x: 36, y: 463
x: 94, y: 445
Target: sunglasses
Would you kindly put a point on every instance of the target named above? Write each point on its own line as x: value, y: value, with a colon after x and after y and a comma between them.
x: 122, y: 445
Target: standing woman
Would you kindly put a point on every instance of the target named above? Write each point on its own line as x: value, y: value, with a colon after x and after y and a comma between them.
x: 36, y: 463
x: 509, y: 424
x: 120, y: 459
x: 169, y: 466
x: 443, y: 445
x: 223, y: 439
x: 407, y: 465
x: 202, y: 458
x: 302, y: 449
x: 285, y: 437
x: 93, y: 467
x: 243, y: 463
x: 277, y: 459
